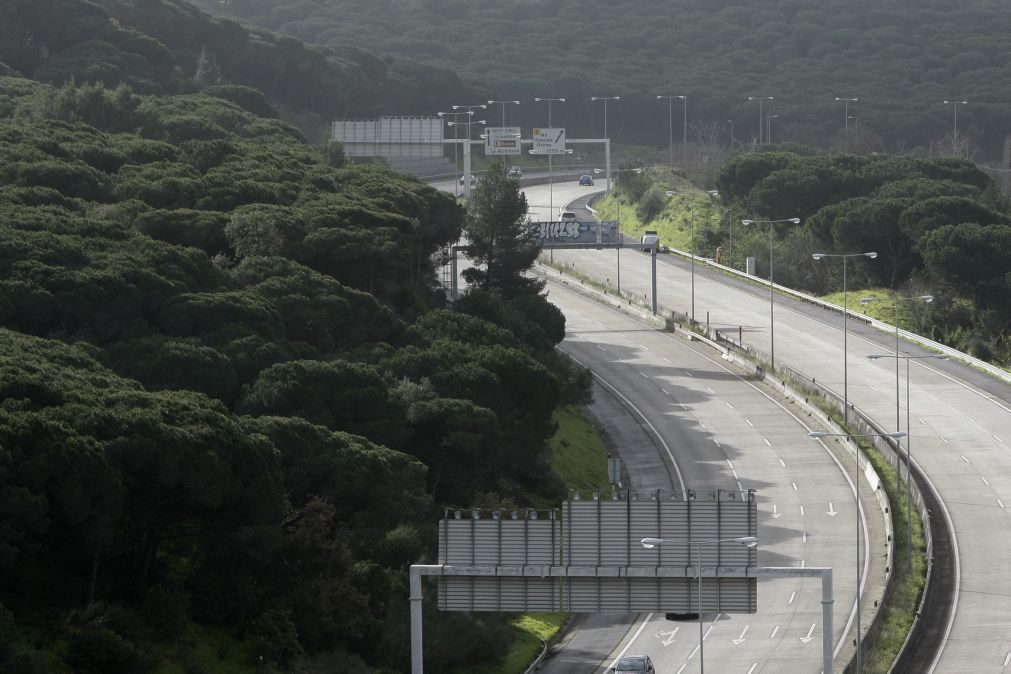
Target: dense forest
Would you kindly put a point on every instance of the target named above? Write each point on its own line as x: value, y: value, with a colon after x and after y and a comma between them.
x: 234, y: 400
x: 900, y: 58
x: 168, y: 46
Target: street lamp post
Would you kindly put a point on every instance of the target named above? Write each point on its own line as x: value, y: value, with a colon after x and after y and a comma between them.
x: 503, y: 104
x: 467, y: 174
x: 456, y: 154
x: 772, y: 303
x: 846, y: 120
x: 621, y: 236
x: 856, y: 478
x: 670, y: 124
x: 731, y: 123
x: 768, y: 127
x: 856, y: 130
x: 845, y: 257
x: 747, y: 541
x: 761, y: 119
x: 926, y: 299
x: 607, y: 141
x: 954, y: 138
x: 551, y: 195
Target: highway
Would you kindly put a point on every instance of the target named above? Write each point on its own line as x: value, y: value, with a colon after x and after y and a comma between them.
x: 724, y: 432
x: 961, y: 424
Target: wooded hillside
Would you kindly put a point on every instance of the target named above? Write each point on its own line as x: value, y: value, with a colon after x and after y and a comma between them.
x: 901, y: 58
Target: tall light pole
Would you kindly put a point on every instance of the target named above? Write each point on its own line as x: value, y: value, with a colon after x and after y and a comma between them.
x: 954, y: 139
x: 768, y: 127
x: 846, y: 311
x: 926, y: 299
x: 607, y: 140
x: 846, y: 120
x: 746, y: 541
x: 670, y: 124
x: 856, y: 128
x: 456, y: 154
x: 761, y: 119
x: 817, y: 435
x: 730, y: 223
x: 551, y: 187
x: 772, y: 302
x: 467, y: 174
x: 731, y: 123
x: 503, y: 104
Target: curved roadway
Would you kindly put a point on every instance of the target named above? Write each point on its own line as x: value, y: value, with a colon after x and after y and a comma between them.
x: 961, y: 424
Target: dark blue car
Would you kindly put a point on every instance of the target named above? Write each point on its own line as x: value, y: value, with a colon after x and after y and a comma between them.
x: 586, y: 180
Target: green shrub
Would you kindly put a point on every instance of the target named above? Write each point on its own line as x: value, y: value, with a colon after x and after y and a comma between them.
x: 101, y: 651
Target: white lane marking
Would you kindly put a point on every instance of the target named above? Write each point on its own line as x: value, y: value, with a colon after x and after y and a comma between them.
x: 729, y: 405
x: 711, y: 626
x: 711, y: 390
x: 682, y: 668
x: 595, y: 322
x: 749, y: 422
x: 775, y: 630
x: 803, y: 563
x: 684, y: 407
x: 968, y: 418
x: 767, y: 442
x: 803, y: 537
x: 1007, y: 659
x: 875, y: 389
x: 1000, y: 503
x: 754, y: 666
x: 631, y: 641
x: 944, y: 440
x: 731, y: 464
x: 702, y: 425
x: 643, y: 347
x: 808, y: 638
x: 793, y: 595
x: 776, y: 515
x: 668, y: 360
x: 717, y: 443
x: 964, y: 459
x: 670, y: 636
x: 802, y: 511
x: 997, y: 439
x: 782, y: 463
x: 740, y: 640
x: 739, y: 487
x: 794, y: 486
x: 922, y: 422
x: 987, y: 483
x: 946, y: 403
x: 689, y: 374
x: 601, y: 348
x: 665, y: 392
x: 644, y: 375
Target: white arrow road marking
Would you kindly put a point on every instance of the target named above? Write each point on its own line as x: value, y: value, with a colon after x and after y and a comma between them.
x: 809, y: 633
x: 775, y: 630
x: 670, y: 636
x: 776, y: 515
x: 740, y: 640
x: 831, y: 512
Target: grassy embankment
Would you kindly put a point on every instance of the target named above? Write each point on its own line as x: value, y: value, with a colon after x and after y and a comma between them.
x: 579, y: 458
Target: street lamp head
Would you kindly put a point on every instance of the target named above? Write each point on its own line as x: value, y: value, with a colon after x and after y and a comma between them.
x: 818, y: 256
x: 795, y: 221
x: 747, y: 222
x: 747, y: 541
x: 650, y: 543
x: 850, y: 100
x: 670, y: 193
x: 876, y: 356
x: 713, y: 193
x: 926, y: 298
x: 681, y: 97
x: 871, y: 255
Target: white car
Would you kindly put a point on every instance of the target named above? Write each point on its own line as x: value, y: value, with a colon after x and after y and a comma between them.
x: 566, y: 215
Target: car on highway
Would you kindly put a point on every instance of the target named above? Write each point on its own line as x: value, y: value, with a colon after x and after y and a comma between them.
x: 566, y: 215
x: 515, y: 172
x: 634, y: 664
x: 649, y: 239
x: 586, y: 180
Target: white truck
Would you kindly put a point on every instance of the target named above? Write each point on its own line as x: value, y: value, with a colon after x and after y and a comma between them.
x: 650, y: 239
